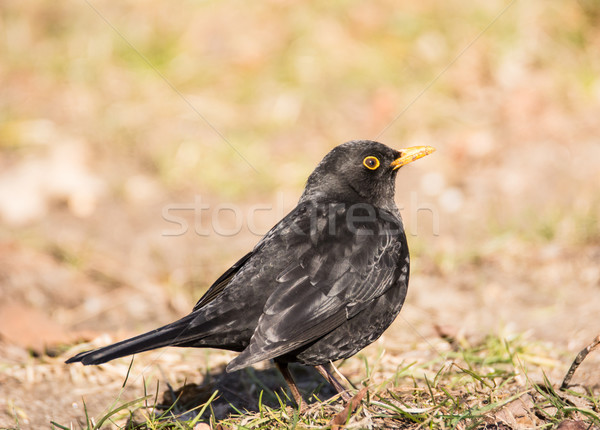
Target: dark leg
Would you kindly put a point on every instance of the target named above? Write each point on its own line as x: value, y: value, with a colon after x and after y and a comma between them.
x: 336, y: 384
x: 283, y: 368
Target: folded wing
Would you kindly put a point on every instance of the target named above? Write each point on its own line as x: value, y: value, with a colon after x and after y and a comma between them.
x: 341, y: 268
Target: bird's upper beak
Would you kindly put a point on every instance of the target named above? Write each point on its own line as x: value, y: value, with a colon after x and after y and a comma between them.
x: 409, y: 155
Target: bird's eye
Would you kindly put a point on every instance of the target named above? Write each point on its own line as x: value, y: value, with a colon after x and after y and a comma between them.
x: 371, y: 162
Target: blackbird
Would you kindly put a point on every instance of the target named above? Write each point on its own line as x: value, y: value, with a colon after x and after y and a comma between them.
x: 322, y: 284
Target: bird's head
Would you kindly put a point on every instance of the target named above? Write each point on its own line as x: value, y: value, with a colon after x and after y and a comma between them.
x: 360, y: 171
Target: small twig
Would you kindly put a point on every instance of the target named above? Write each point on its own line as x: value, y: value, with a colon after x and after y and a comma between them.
x: 578, y: 360
x: 448, y: 334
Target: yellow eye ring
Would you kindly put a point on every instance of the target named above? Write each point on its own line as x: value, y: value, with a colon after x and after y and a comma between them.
x: 371, y: 163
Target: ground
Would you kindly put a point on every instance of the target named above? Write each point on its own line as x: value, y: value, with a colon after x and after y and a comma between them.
x: 145, y: 147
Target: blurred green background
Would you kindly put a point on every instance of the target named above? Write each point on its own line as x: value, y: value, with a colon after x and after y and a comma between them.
x: 113, y: 112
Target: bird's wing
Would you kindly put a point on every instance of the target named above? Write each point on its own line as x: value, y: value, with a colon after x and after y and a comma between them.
x: 217, y: 287
x: 336, y: 271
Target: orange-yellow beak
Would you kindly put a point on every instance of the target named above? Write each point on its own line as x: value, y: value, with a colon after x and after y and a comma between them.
x: 409, y: 155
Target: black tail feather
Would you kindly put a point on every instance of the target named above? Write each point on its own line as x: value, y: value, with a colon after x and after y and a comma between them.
x: 169, y: 335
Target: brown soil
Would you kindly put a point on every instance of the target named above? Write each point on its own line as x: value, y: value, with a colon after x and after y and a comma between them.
x: 94, y: 147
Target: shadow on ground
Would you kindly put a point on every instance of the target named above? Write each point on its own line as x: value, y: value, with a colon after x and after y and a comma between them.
x: 247, y: 390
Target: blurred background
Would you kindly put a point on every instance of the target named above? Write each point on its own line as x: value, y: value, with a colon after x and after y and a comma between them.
x: 145, y: 146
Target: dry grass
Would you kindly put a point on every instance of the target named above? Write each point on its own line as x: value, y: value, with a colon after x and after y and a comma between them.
x: 111, y: 112
x: 498, y: 383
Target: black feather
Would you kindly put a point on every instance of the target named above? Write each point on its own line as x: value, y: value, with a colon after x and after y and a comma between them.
x: 323, y: 283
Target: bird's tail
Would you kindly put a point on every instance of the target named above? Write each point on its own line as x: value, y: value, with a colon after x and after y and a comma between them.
x: 169, y: 335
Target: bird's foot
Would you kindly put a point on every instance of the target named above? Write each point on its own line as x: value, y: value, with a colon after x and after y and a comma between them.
x: 350, y: 407
x: 346, y: 397
x: 303, y: 407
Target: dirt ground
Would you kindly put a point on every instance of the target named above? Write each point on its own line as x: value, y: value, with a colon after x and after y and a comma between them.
x: 106, y: 156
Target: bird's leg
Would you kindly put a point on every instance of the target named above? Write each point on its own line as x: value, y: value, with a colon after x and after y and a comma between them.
x: 287, y: 375
x: 336, y: 384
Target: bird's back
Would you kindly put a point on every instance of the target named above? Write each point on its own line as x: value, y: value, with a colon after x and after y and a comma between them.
x: 335, y: 274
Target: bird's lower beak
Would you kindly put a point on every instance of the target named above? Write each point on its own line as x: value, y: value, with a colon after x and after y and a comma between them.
x: 409, y: 155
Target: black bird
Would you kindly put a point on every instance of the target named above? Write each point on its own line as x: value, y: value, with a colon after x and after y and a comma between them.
x: 322, y: 284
